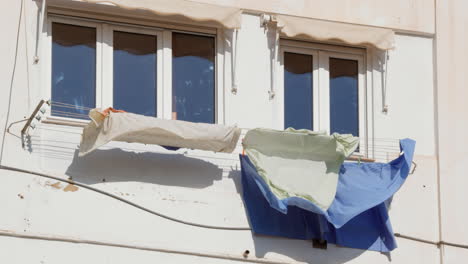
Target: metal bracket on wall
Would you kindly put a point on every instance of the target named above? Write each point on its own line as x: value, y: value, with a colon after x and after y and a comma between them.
x: 265, y: 19
x: 384, y: 83
x: 29, y: 124
x: 414, y: 167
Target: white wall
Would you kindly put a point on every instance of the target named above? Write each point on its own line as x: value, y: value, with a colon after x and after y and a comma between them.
x: 452, y: 83
x: 206, y: 188
x: 9, y: 20
x: 409, y: 15
x: 50, y: 211
x: 410, y: 99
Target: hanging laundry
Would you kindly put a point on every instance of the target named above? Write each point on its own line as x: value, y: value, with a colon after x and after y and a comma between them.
x: 97, y: 115
x: 114, y: 125
x: 299, y: 165
x: 357, y: 217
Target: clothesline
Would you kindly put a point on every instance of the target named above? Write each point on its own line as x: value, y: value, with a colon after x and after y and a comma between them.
x: 378, y: 152
x: 278, y: 190
x: 66, y: 105
x: 72, y: 106
x: 381, y: 147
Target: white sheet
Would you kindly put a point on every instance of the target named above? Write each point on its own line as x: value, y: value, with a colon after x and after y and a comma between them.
x: 299, y: 163
x: 130, y: 127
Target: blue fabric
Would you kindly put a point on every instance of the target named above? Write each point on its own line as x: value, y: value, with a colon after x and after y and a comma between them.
x: 357, y: 218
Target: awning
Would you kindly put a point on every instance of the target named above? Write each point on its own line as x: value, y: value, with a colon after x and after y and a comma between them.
x: 179, y: 11
x: 320, y: 30
x: 133, y: 128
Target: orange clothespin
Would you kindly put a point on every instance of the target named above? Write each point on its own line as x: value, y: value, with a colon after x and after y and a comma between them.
x: 98, y: 116
x: 110, y: 109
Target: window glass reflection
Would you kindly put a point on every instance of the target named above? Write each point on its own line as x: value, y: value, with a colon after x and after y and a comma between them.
x: 344, y: 111
x: 73, y: 69
x: 193, y: 78
x: 135, y: 73
x: 298, y: 85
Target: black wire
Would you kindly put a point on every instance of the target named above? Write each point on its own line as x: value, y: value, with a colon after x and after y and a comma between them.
x: 12, y: 80
x: 126, y: 201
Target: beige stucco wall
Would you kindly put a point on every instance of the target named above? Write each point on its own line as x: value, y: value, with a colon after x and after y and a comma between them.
x: 406, y: 15
x: 452, y: 118
x: 413, y: 16
x: 210, y: 195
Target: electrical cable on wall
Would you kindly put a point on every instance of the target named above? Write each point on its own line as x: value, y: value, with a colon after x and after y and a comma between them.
x: 126, y: 201
x: 384, y: 105
x: 74, y: 240
x: 439, y: 243
x: 12, y: 80
x: 27, y: 54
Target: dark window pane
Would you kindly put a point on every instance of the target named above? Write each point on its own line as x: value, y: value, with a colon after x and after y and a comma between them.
x: 73, y: 69
x: 135, y: 73
x: 344, y: 111
x: 298, y: 87
x: 193, y: 78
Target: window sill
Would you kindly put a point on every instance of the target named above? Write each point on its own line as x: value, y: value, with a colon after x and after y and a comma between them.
x: 64, y: 121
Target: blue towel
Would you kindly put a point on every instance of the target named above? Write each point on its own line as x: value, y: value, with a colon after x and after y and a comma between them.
x: 357, y: 218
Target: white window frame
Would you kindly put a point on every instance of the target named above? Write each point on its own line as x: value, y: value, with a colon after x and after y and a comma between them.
x: 321, y: 54
x: 47, y: 91
x: 315, y: 84
x: 104, y: 55
x: 108, y: 57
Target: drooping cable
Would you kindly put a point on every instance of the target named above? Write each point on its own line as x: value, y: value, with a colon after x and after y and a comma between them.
x: 12, y: 80
x: 26, y: 45
x: 190, y: 223
x: 75, y: 240
x: 125, y: 200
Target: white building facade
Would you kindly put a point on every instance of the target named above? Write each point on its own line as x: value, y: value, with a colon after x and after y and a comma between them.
x: 415, y: 90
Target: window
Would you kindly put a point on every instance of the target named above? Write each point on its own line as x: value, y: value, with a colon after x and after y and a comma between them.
x: 323, y: 88
x: 193, y: 79
x: 73, y: 68
x: 135, y: 72
x: 298, y: 87
x: 142, y: 70
x: 344, y: 111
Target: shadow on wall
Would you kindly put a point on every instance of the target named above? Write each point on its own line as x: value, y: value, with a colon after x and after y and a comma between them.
x: 116, y: 165
x: 294, y: 248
